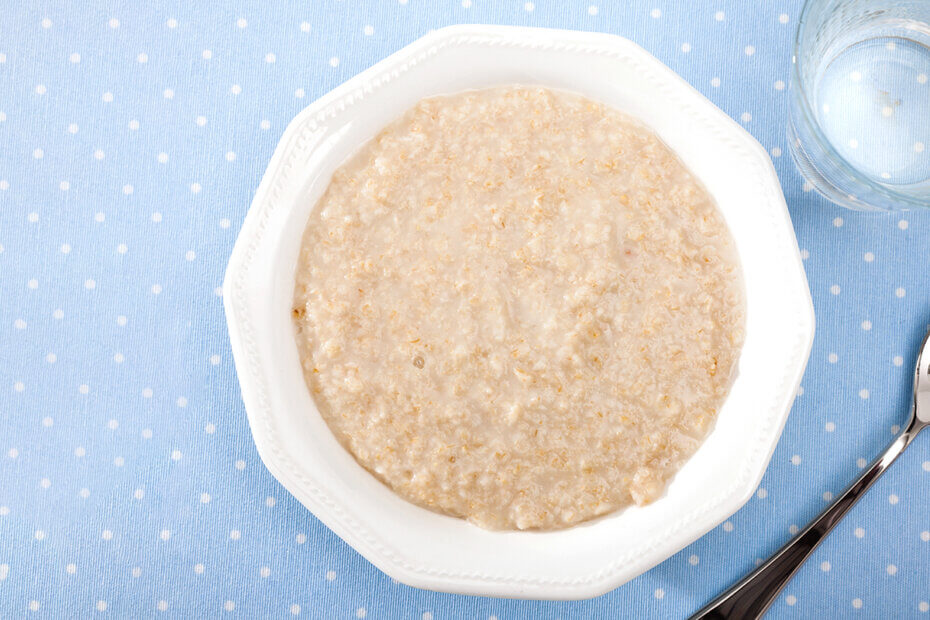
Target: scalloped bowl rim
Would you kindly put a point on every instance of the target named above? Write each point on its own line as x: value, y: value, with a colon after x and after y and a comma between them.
x: 428, y: 550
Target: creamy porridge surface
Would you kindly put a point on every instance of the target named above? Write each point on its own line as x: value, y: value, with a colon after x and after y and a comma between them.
x: 517, y: 306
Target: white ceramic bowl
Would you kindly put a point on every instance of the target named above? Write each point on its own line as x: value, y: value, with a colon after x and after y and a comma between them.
x: 428, y: 550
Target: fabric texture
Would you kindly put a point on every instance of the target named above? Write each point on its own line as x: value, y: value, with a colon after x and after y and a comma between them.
x: 132, y: 138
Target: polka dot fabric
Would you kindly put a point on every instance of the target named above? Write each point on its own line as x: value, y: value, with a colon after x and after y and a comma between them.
x: 132, y: 138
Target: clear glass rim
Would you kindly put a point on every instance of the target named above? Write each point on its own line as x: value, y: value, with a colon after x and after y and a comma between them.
x: 814, y: 127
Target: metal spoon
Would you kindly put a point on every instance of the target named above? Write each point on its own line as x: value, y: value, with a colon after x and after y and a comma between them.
x: 751, y: 596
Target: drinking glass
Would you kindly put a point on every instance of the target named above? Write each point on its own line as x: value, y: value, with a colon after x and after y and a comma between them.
x: 859, y: 127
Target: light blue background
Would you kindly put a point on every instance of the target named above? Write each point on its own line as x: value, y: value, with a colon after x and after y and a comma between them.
x: 128, y: 477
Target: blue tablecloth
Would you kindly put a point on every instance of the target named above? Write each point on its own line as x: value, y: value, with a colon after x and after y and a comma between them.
x: 132, y: 137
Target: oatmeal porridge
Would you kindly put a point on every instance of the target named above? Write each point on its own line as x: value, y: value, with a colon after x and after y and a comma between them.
x: 518, y: 307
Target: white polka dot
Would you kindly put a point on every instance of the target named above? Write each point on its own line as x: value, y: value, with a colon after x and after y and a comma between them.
x: 19, y: 386
x: 923, y: 606
x: 861, y: 462
x: 163, y: 158
x: 138, y: 493
x: 762, y: 493
x: 136, y: 572
x: 866, y: 325
x: 240, y: 464
x: 925, y: 536
x: 128, y: 189
x: 853, y: 143
x: 807, y: 186
x: 47, y: 421
x: 19, y: 324
x: 265, y: 124
x: 427, y: 615
x: 72, y: 128
x: 835, y: 289
x: 114, y: 23
x: 162, y: 605
x: 863, y: 394
x: 693, y: 560
x: 98, y: 154
x: 107, y: 97
x: 235, y: 534
x: 83, y: 388
x: 79, y: 451
x: 264, y: 572
x: 12, y: 453
x: 99, y: 216
x: 792, y: 529
x: 659, y: 593
x: 4, y: 511
x: 898, y: 360
x: 859, y: 532
x: 121, y: 320
x: 855, y: 76
x: 201, y: 121
x: 466, y: 4
x: 4, y: 185
x: 38, y: 153
x: 857, y: 603
x: 156, y: 289
x: 919, y: 147
x: 172, y: 22
x: 46, y: 22
x: 825, y: 566
x: 334, y: 61
x: 45, y: 483
x: 58, y: 314
x: 270, y: 502
x: 790, y: 600
x: 776, y: 151
x: 592, y: 10
x: 685, y: 47
x: 868, y: 257
x: 301, y: 539
x: 230, y: 156
x: 891, y: 569
x: 229, y: 605
x: 210, y: 428
x: 805, y: 254
x: 146, y: 433
x: 164, y: 534
x: 156, y: 217
x: 39, y: 535
x: 241, y: 23
x: 655, y: 13
x: 925, y: 466
x: 204, y: 498
x: 119, y: 461
x: 921, y: 78
x: 33, y: 605
x: 529, y: 7
x: 195, y: 188
x: 106, y: 535
x: 330, y: 575
x: 142, y: 57
x: 299, y: 93
x: 749, y: 50
x: 746, y: 117
x: 796, y: 459
x: 176, y: 455
x: 270, y: 58
x: 218, y: 291
x: 147, y: 392
x: 305, y: 27
x: 832, y: 358
x: 893, y: 499
x: 71, y: 569
x: 827, y: 496
x: 719, y: 16
x: 838, y: 221
x: 830, y: 427
x: 168, y: 93
x: 215, y: 359
x: 900, y: 292
x: 198, y: 568
x: 235, y: 89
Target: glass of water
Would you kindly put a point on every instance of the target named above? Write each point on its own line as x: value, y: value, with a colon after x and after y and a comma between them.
x: 860, y: 102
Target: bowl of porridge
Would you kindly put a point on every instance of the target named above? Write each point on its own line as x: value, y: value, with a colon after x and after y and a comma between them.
x: 518, y: 312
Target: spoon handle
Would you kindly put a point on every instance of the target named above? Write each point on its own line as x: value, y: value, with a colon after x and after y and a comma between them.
x: 752, y: 595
